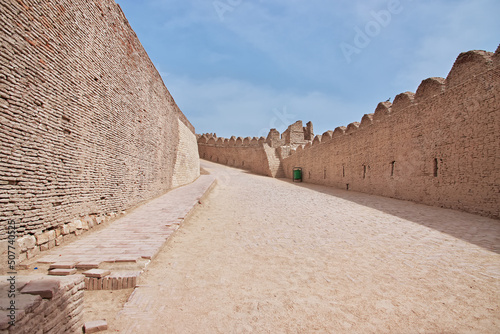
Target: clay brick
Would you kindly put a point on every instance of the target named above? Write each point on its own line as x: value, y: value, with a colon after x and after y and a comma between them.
x: 62, y: 272
x: 45, y: 288
x: 62, y: 265
x: 98, y: 273
x: 32, y: 252
x: 87, y: 283
x: 95, y: 326
x: 51, y: 235
x: 78, y: 224
x: 71, y: 227
x: 65, y: 229
x: 88, y: 265
x: 42, y: 238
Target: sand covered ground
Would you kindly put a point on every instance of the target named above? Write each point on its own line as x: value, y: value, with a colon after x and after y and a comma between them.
x: 262, y: 255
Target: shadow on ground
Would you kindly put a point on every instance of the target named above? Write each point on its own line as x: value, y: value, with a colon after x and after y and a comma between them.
x: 481, y: 231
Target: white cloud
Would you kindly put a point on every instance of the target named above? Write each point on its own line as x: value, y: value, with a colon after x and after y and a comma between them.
x: 457, y: 27
x: 232, y: 107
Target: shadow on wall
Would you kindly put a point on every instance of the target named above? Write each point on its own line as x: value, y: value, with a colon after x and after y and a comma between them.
x: 480, y: 231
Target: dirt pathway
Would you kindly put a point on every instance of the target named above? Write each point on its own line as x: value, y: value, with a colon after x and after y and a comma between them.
x: 263, y: 255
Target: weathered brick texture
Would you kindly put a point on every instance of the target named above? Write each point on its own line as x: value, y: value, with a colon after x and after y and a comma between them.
x: 87, y: 126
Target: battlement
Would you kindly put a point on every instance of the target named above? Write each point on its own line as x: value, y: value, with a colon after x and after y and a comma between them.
x: 435, y: 146
x: 296, y: 134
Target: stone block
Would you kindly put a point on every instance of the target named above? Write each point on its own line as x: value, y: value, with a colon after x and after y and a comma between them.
x: 51, y: 235
x: 31, y: 253
x: 42, y: 238
x: 45, y: 288
x: 95, y: 326
x: 78, y: 224
x: 62, y: 265
x: 96, y: 273
x: 88, y: 265
x: 71, y: 227
x: 65, y: 229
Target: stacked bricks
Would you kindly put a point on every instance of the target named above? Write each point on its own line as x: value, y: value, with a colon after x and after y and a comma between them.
x: 45, y: 305
x: 31, y: 245
x: 98, y: 279
x: 87, y: 126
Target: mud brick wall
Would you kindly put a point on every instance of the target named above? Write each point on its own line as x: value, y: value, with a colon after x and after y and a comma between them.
x: 439, y: 146
x: 244, y: 153
x: 87, y: 126
x: 187, y: 163
x: 44, y: 305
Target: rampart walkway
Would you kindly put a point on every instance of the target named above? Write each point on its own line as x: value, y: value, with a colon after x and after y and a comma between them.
x: 262, y: 255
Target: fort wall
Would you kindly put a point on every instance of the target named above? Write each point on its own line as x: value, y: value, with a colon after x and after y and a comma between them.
x: 439, y: 146
x: 259, y: 155
x: 244, y: 153
x: 87, y: 126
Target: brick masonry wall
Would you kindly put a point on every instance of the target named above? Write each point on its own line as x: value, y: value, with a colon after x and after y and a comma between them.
x: 242, y: 153
x: 87, y: 126
x: 440, y: 146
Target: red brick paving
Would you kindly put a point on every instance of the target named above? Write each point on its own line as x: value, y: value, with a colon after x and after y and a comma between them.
x: 138, y: 235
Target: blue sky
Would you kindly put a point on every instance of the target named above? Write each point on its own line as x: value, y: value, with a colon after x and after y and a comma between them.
x: 241, y: 67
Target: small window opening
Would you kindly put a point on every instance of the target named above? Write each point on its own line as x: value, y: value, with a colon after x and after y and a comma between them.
x: 436, y: 167
x: 393, y: 165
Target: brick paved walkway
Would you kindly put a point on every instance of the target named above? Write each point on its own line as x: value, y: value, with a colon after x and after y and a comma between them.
x: 263, y: 255
x: 136, y: 237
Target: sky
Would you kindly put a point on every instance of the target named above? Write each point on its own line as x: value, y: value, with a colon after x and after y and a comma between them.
x: 242, y: 67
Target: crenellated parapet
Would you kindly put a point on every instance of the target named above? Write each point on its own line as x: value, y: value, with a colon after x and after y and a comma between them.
x: 468, y: 65
x: 438, y: 146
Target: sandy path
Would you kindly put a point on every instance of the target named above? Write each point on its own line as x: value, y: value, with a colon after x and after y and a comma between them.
x: 267, y: 256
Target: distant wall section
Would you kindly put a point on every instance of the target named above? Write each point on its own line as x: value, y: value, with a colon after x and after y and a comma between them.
x: 187, y: 162
x: 245, y: 153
